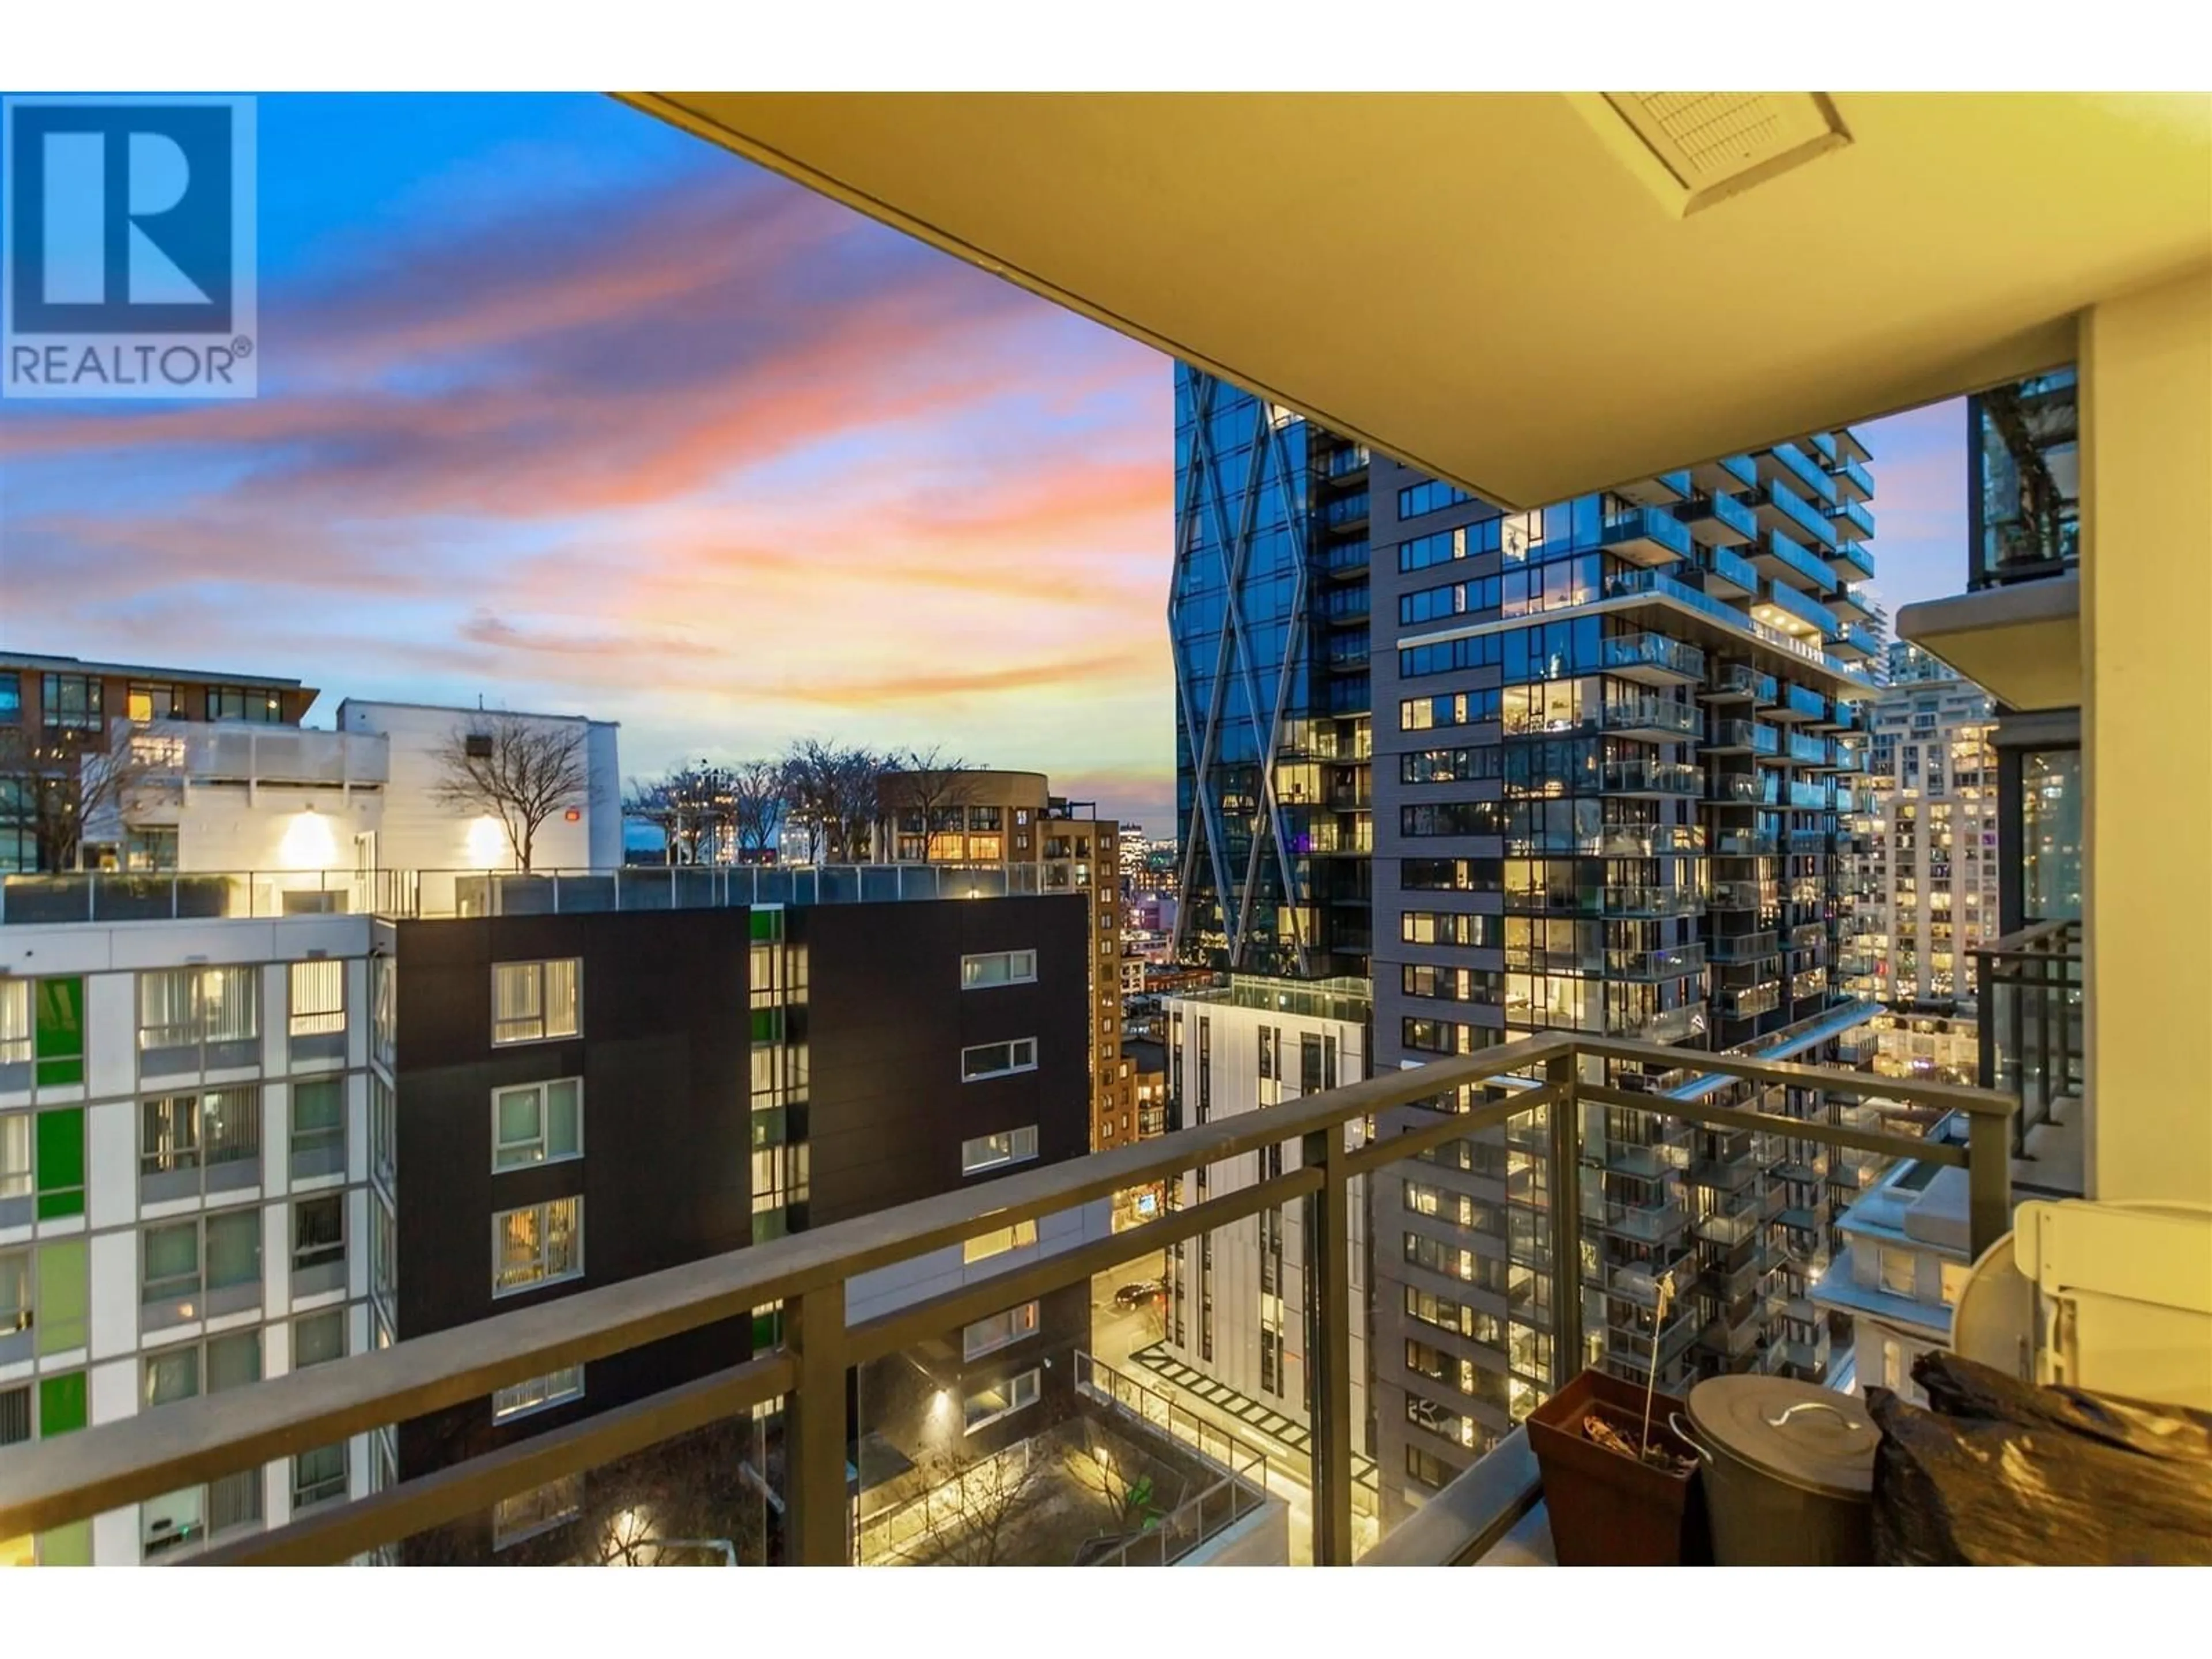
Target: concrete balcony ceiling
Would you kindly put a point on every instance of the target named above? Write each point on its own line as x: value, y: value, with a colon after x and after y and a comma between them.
x: 1935, y: 243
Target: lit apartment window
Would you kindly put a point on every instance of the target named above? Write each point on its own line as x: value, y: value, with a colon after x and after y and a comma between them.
x: 73, y: 700
x: 1900, y: 1271
x: 998, y: 1059
x: 997, y: 1242
x: 990, y: 1152
x: 202, y: 1267
x: 1955, y: 1275
x: 532, y: 1001
x: 979, y: 973
x: 999, y: 1330
x: 541, y: 1509
x: 318, y: 998
x: 539, y: 1123
x: 987, y: 1406
x: 196, y: 1145
x: 538, y: 1244
x: 554, y: 1388
x: 197, y: 1019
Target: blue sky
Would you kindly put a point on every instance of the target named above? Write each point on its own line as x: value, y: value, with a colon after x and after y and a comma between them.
x: 565, y: 408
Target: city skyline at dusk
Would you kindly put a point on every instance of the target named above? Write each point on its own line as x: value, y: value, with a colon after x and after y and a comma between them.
x: 566, y: 410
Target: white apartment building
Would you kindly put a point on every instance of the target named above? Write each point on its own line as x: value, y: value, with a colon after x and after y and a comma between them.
x: 187, y: 1153
x: 272, y: 802
x: 1898, y: 1275
x: 1237, y: 1298
x: 1927, y: 838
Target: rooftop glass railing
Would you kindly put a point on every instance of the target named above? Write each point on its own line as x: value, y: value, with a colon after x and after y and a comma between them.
x: 110, y: 896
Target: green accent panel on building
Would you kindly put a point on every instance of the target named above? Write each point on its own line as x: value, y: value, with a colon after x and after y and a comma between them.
x: 63, y: 1297
x: 60, y: 1042
x: 66, y: 1546
x: 64, y: 1404
x: 61, y: 1163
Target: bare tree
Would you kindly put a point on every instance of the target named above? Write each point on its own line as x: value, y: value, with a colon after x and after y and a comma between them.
x: 757, y: 806
x: 853, y: 796
x: 65, y: 782
x: 693, y: 809
x: 984, y: 1502
x: 831, y: 793
x: 921, y: 786
x: 518, y: 771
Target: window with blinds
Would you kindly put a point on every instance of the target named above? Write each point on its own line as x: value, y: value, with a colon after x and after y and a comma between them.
x: 536, y: 1001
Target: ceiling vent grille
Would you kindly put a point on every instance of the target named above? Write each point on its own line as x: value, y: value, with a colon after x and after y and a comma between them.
x: 1717, y: 145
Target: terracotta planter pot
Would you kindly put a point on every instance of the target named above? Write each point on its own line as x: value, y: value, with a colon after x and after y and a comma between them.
x: 1608, y: 1510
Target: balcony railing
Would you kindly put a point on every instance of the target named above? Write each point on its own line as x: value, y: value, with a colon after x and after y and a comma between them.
x: 1627, y: 652
x: 1778, y: 549
x: 2028, y: 1002
x: 1814, y: 615
x: 1722, y: 518
x: 1648, y: 534
x: 1740, y: 679
x: 105, y: 896
x: 808, y: 1357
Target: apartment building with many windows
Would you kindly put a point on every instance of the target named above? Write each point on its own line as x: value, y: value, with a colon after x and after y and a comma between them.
x: 976, y: 818
x: 1616, y: 751
x: 1926, y: 838
x: 230, y: 1148
x: 1267, y: 614
x: 1238, y: 1310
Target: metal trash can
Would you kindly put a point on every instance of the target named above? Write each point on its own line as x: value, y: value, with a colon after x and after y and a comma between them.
x: 1789, y: 1472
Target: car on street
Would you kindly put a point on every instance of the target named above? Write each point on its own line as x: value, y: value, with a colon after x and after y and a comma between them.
x: 1142, y: 1293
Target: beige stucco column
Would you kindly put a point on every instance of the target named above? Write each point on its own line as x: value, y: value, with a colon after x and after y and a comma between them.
x: 2146, y: 372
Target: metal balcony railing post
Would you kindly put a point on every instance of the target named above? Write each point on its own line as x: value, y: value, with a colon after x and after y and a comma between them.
x: 1560, y: 1071
x: 1989, y: 1180
x: 1329, y: 1234
x: 818, y: 1501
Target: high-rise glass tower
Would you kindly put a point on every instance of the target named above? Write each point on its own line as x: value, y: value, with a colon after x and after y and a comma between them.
x: 1268, y: 617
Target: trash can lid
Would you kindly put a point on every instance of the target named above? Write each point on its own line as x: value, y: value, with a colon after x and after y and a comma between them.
x: 1800, y: 1432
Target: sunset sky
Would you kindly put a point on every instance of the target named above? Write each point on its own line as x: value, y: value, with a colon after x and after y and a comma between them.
x: 563, y: 408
